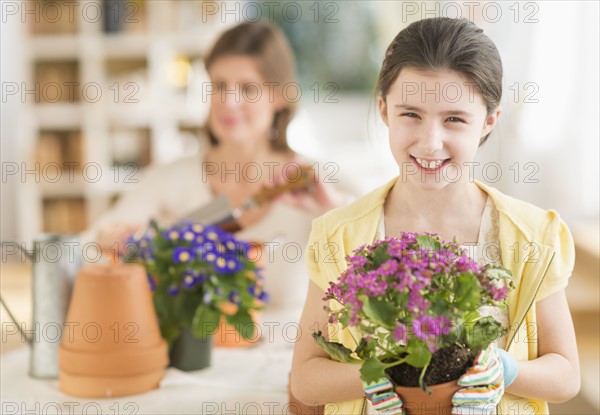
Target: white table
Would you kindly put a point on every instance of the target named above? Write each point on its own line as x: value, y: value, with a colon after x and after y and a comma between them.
x: 239, y: 381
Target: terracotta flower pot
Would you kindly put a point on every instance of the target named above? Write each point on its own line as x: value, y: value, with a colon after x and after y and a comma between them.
x: 417, y: 402
x: 111, y: 344
x: 227, y: 336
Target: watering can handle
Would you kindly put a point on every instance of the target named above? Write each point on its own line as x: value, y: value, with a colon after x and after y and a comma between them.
x: 10, y: 314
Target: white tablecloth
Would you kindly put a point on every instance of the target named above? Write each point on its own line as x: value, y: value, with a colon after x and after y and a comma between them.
x: 239, y: 381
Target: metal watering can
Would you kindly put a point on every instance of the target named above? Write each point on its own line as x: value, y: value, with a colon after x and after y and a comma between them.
x: 56, y: 259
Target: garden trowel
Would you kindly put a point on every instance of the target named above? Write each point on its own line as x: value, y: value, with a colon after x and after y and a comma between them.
x: 220, y: 213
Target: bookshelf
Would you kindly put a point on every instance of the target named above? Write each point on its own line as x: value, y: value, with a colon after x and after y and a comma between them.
x: 110, y: 83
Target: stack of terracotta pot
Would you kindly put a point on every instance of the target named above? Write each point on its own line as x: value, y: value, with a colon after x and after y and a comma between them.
x: 111, y: 343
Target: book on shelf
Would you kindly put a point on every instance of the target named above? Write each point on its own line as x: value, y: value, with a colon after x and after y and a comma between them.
x: 64, y: 148
x: 64, y: 215
x: 51, y: 17
x: 124, y: 16
x: 57, y: 81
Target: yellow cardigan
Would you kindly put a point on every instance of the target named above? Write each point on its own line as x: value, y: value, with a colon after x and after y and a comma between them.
x: 535, y: 244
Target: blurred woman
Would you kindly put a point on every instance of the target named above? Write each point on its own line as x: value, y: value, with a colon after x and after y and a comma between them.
x: 245, y: 152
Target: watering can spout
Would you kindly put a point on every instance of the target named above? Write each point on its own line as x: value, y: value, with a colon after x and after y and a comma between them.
x: 28, y: 339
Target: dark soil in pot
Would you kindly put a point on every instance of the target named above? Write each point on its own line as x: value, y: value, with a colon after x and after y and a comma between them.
x: 446, y: 364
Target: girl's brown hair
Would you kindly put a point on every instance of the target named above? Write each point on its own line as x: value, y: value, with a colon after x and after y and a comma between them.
x: 268, y: 45
x: 443, y: 43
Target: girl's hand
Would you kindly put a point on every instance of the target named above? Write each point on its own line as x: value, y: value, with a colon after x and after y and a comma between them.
x: 382, y: 396
x: 482, y: 385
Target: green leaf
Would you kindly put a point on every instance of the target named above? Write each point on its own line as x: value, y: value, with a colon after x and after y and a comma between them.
x: 205, y: 322
x: 169, y: 332
x: 188, y: 304
x: 380, y: 255
x: 472, y: 316
x: 482, y: 333
x: 337, y: 351
x: 428, y: 243
x: 366, y: 348
x: 467, y: 292
x: 243, y: 323
x: 418, y: 355
x: 379, y: 312
x: 372, y: 370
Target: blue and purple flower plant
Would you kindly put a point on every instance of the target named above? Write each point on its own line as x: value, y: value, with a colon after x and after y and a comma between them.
x: 195, y: 273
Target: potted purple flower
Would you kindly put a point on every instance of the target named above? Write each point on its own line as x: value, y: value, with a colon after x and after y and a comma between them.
x: 199, y: 275
x: 416, y: 302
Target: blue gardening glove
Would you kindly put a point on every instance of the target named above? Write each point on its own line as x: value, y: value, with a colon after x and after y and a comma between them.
x: 482, y: 385
x: 382, y: 396
x: 510, y: 366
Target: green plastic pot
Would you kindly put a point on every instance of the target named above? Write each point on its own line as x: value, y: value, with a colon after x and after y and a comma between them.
x: 189, y: 353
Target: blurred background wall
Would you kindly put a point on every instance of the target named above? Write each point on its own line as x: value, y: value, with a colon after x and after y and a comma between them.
x: 92, y: 88
x: 94, y: 91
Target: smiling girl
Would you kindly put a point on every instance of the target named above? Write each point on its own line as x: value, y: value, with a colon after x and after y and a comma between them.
x: 439, y: 91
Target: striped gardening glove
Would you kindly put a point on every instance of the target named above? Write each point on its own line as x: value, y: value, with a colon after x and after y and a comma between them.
x: 482, y: 385
x: 382, y: 396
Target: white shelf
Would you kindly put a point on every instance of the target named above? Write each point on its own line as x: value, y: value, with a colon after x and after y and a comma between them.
x: 126, y: 46
x: 159, y: 110
x: 70, y: 184
x: 58, y: 116
x: 54, y: 47
x: 128, y: 115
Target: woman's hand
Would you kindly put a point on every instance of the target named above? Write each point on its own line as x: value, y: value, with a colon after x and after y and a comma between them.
x: 112, y: 238
x: 317, y: 198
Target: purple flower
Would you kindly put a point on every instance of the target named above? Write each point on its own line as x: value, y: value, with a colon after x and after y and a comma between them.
x: 234, y: 297
x: 465, y: 263
x: 417, y: 280
x: 189, y: 281
x: 151, y: 282
x: 432, y: 344
x: 258, y: 293
x: 182, y: 255
x: 387, y: 268
x: 498, y: 294
x: 192, y: 279
x: 401, y: 333
x: 172, y: 235
x: 220, y: 264
x: 442, y: 325
x: 356, y: 261
x: 173, y: 290
x: 416, y: 303
x: 424, y: 327
x: 232, y: 265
